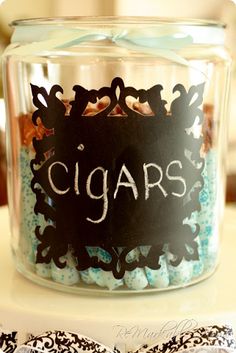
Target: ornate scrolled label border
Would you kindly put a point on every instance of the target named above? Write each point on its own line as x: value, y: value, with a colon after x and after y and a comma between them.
x: 117, y: 181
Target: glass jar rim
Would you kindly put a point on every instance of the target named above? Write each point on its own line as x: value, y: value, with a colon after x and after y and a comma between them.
x: 117, y: 20
x: 148, y: 34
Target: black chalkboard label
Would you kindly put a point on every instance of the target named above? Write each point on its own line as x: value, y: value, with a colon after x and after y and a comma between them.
x: 117, y: 181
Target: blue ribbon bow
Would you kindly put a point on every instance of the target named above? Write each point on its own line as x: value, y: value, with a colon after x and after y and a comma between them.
x: 149, y: 42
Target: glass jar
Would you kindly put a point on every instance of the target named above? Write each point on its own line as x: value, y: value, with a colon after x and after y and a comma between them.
x: 116, y: 147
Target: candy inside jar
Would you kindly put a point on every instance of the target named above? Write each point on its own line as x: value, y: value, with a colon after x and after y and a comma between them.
x: 118, y: 157
x: 166, y: 274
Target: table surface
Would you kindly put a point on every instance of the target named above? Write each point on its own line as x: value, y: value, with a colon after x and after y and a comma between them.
x: 108, y: 318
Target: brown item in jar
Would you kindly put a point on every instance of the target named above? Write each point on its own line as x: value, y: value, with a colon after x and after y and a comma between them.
x: 208, y: 126
x: 3, y: 178
x: 231, y: 188
x: 28, y: 130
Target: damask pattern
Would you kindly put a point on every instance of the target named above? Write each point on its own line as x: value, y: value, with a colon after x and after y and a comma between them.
x: 64, y: 342
x: 212, y: 336
x: 219, y: 339
x: 8, y: 342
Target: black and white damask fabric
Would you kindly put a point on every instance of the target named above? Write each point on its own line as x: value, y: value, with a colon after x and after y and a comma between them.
x: 8, y: 342
x: 64, y: 342
x: 210, y: 339
x: 215, y: 337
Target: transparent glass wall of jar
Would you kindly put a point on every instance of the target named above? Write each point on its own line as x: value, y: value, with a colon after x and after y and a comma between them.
x: 116, y: 141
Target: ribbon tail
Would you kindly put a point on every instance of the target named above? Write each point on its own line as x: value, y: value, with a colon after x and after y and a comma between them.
x: 65, y: 40
x: 213, y: 337
x: 87, y: 38
x: 62, y: 341
x: 218, y: 338
x: 158, y: 52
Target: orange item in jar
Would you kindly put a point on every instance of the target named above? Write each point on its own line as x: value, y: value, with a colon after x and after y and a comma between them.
x: 28, y: 130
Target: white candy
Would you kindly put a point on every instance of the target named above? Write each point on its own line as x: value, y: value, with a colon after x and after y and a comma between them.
x: 156, y: 278
x: 197, y: 265
x: 67, y: 275
x: 135, y: 279
x: 29, y: 220
x: 181, y: 274
x: 159, y: 278
x: 208, y: 216
x: 111, y: 282
x: 97, y: 277
x: 100, y: 277
x: 43, y: 270
x: 139, y: 278
x: 104, y: 279
x: 86, y: 278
